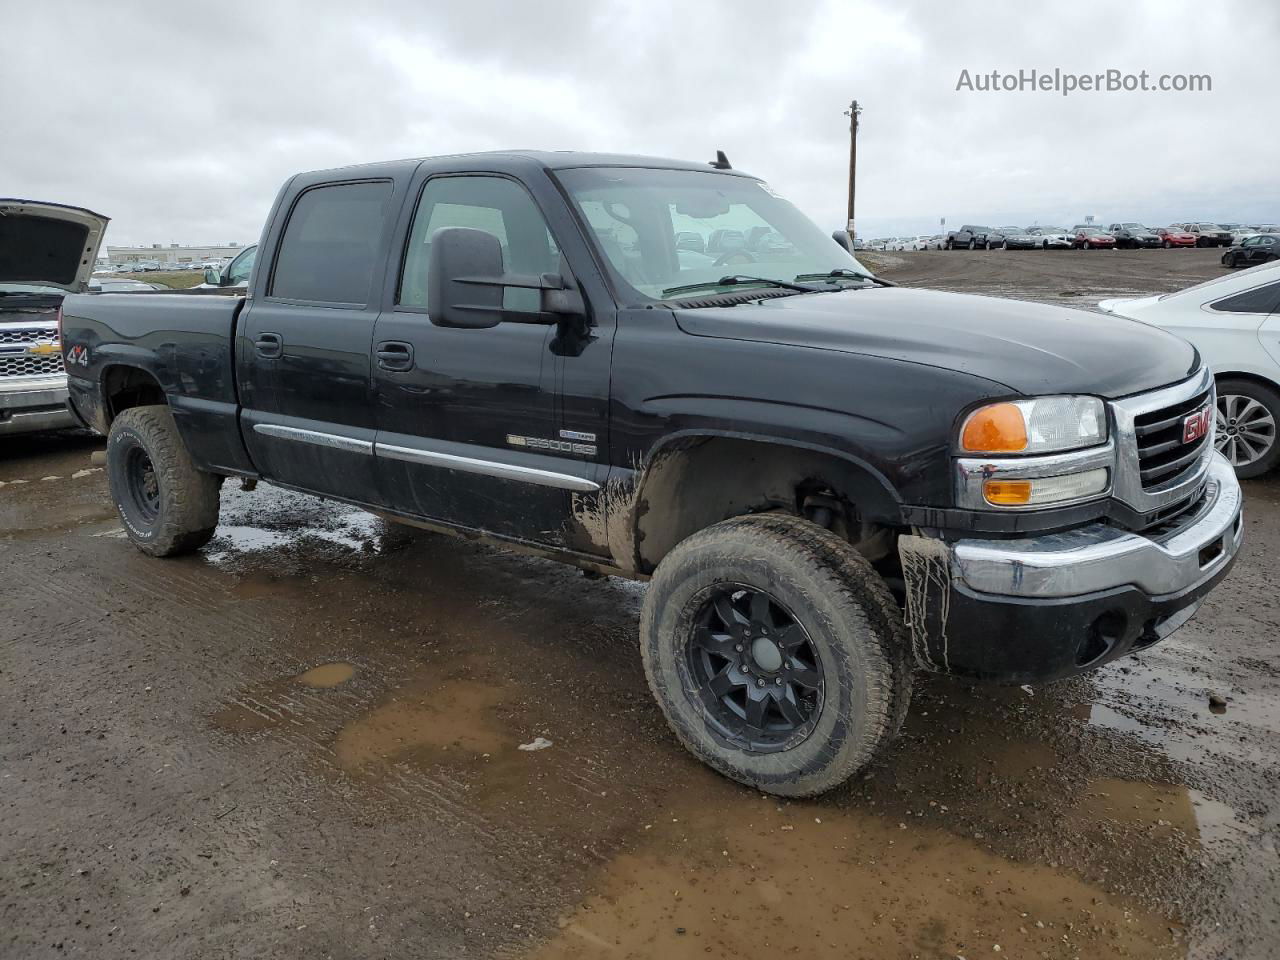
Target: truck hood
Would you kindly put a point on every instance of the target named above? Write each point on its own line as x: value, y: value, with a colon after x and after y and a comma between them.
x: 49, y: 243
x: 1030, y: 348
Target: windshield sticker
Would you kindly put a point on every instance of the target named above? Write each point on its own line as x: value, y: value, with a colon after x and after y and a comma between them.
x: 769, y: 190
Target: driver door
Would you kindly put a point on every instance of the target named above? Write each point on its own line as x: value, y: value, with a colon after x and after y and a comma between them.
x: 469, y: 420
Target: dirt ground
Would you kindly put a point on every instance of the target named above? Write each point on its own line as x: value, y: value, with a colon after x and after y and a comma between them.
x: 307, y: 741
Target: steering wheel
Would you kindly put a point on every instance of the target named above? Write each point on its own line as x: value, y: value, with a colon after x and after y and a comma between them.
x: 727, y: 257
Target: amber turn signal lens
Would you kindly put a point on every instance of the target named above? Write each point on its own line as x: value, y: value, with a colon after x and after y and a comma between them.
x: 999, y: 428
x: 1007, y: 493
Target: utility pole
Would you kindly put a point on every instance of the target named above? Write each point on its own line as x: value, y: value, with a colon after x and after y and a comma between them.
x: 852, y: 114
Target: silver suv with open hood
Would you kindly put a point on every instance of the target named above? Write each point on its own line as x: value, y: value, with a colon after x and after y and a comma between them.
x: 47, y: 250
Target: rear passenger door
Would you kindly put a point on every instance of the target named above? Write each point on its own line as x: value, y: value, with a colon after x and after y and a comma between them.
x: 303, y: 350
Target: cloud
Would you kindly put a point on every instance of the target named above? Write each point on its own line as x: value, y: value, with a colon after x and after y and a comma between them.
x: 182, y: 125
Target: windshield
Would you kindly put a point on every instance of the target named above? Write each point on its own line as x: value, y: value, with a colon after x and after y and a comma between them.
x: 1133, y: 226
x: 666, y: 229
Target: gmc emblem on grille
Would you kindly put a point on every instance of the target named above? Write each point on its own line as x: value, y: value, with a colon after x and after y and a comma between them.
x: 1196, y: 425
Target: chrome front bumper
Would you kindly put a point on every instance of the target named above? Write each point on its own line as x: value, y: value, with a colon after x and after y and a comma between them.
x: 30, y: 404
x: 1101, y: 557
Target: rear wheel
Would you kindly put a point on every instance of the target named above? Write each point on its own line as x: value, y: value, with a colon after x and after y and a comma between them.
x: 776, y: 653
x: 1246, y: 426
x: 166, y: 504
x: 1167, y: 244
x: 973, y: 245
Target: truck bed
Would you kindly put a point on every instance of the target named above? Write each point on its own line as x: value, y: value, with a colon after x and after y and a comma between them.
x: 184, y: 343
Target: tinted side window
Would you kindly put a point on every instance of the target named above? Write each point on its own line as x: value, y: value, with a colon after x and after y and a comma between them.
x: 331, y: 242
x: 494, y: 204
x: 1262, y: 299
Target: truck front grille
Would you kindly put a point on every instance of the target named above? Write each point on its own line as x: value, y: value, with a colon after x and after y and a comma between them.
x: 16, y: 339
x: 31, y: 366
x: 25, y: 335
x: 1163, y: 457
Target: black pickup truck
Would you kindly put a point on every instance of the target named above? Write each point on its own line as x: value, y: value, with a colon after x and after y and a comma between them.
x: 970, y: 237
x: 829, y: 481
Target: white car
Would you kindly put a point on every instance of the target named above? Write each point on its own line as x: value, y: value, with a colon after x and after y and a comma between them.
x: 1234, y: 321
x: 1053, y: 238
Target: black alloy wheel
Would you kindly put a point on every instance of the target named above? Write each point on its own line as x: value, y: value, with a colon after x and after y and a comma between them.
x: 142, y: 484
x: 754, y: 666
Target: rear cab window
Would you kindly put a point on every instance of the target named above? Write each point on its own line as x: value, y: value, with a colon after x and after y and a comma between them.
x: 330, y: 247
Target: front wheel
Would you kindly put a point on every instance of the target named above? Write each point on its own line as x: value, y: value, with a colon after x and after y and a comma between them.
x: 1246, y: 426
x: 167, y: 505
x: 776, y: 653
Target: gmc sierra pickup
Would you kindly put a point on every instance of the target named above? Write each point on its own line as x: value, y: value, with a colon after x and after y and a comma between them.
x: 47, y: 250
x: 829, y: 481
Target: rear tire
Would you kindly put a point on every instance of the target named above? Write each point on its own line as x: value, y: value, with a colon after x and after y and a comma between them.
x: 167, y: 505
x: 776, y: 653
x: 1257, y: 428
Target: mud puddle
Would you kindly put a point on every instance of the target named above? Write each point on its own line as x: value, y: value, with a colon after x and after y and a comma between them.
x: 327, y: 675
x: 749, y: 877
x: 454, y: 720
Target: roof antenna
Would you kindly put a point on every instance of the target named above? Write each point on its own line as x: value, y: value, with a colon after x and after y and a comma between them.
x: 721, y: 162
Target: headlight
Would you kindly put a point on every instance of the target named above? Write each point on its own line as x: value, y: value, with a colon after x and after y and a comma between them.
x: 1041, y: 425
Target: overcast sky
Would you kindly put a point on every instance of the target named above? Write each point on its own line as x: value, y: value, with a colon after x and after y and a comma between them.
x: 180, y: 123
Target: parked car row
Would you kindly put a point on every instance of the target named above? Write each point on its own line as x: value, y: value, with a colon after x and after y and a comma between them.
x: 1087, y: 236
x: 153, y: 266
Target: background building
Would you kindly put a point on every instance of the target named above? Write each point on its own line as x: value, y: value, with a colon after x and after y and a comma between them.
x: 172, y: 253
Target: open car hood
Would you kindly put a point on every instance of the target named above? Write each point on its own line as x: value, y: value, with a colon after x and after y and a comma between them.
x: 49, y: 243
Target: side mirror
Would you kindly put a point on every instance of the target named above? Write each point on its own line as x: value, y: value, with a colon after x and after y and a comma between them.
x: 467, y: 286
x: 842, y: 237
x: 212, y: 277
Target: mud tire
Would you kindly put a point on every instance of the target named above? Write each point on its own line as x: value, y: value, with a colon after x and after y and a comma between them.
x: 183, y: 512
x: 849, y: 614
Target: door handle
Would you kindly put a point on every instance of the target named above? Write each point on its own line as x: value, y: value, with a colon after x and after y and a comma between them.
x: 269, y: 345
x: 394, y: 355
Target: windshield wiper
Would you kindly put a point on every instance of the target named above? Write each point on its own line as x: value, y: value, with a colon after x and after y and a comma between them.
x: 736, y: 279
x: 843, y: 273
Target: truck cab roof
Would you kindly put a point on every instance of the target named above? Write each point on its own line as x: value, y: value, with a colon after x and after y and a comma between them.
x: 547, y: 159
